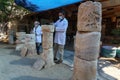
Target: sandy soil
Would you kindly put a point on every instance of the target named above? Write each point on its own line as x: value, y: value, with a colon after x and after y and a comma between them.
x: 13, y: 67
x: 108, y: 69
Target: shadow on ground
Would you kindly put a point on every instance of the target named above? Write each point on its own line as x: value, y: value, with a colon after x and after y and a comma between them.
x: 107, y: 63
x: 31, y: 78
x: 16, y: 53
x: 24, y: 62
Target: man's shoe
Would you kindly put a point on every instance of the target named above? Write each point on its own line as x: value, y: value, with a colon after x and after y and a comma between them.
x: 55, y: 59
x: 59, y: 61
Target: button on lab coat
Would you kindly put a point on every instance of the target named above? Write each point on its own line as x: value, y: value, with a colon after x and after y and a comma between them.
x: 60, y: 34
x: 38, y: 32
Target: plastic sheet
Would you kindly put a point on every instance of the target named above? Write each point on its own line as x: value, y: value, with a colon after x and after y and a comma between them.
x: 42, y: 5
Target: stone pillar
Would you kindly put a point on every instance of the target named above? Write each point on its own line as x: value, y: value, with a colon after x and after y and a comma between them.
x: 11, y: 36
x: 47, y: 45
x: 46, y: 59
x: 10, y: 33
x: 87, y: 41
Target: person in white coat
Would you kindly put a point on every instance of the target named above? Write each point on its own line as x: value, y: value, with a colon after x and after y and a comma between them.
x: 38, y: 33
x: 60, y: 36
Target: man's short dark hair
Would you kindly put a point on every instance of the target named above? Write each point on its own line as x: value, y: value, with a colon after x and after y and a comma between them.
x: 62, y: 11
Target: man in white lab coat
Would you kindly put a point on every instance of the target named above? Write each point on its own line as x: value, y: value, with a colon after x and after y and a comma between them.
x: 38, y: 32
x: 60, y: 36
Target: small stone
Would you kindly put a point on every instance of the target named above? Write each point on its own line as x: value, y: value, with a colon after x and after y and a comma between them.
x: 23, y: 52
x: 39, y: 64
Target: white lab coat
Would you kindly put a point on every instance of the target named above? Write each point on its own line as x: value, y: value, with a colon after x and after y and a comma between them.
x: 38, y: 32
x: 60, y: 34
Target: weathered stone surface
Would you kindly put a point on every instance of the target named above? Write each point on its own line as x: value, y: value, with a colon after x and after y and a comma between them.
x: 20, y: 33
x: 47, y: 40
x: 20, y: 40
x: 26, y: 43
x: 47, y: 28
x: 89, y: 16
x: 39, y: 64
x: 11, y: 36
x: 47, y: 55
x: 30, y: 44
x: 20, y: 37
x: 23, y: 52
x: 47, y: 45
x: 87, y: 45
x: 19, y: 47
x: 10, y: 39
x: 30, y: 37
x: 31, y: 48
x: 84, y: 70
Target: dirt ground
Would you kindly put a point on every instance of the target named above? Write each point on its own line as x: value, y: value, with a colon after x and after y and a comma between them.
x: 109, y: 69
x: 14, y: 67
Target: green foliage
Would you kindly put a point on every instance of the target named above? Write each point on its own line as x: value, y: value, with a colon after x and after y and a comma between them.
x: 115, y: 41
x: 9, y: 10
x: 116, y: 32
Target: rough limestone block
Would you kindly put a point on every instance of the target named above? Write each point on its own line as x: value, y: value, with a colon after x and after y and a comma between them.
x: 31, y: 48
x: 10, y: 39
x: 30, y: 37
x: 84, y: 70
x: 20, y: 33
x: 20, y: 41
x: 22, y: 37
x: 47, y: 40
x: 48, y: 57
x: 39, y: 64
x: 23, y: 52
x: 47, y: 28
x: 89, y: 16
x: 19, y: 47
x: 87, y: 45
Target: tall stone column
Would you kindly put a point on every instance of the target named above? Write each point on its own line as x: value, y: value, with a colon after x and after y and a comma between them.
x: 47, y: 45
x: 87, y: 42
x: 46, y: 59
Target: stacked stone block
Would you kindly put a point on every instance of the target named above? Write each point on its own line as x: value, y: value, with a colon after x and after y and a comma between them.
x: 47, y: 45
x: 87, y: 42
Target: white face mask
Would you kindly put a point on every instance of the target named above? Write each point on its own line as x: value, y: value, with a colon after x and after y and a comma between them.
x: 36, y: 25
x: 60, y: 17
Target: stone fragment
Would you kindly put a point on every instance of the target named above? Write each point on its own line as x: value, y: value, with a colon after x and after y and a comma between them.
x: 39, y: 64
